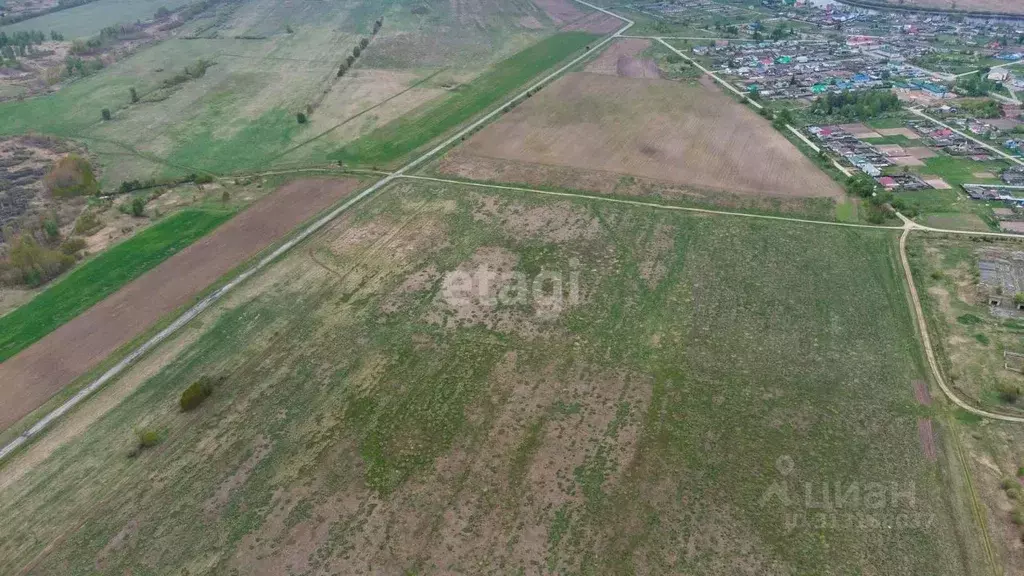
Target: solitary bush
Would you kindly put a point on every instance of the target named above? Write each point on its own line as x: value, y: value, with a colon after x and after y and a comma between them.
x: 1008, y: 392
x: 144, y: 438
x: 71, y: 176
x: 195, y: 394
x: 134, y: 95
x: 73, y: 246
x: 87, y: 224
x: 301, y: 117
x: 202, y: 178
x: 138, y: 207
x: 147, y: 437
x: 105, y: 113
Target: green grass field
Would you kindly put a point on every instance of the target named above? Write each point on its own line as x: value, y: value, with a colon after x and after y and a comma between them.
x: 89, y: 19
x: 714, y: 381
x: 401, y: 137
x: 898, y: 139
x: 241, y: 115
x: 96, y: 279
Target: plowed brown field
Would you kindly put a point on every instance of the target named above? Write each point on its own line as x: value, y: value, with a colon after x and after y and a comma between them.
x: 622, y: 58
x: 683, y: 134
x: 40, y: 371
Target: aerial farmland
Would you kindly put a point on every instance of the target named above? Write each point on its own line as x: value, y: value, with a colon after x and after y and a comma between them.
x: 498, y: 287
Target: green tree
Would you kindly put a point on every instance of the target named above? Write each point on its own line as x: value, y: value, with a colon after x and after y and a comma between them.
x: 134, y: 95
x: 138, y: 207
x: 105, y: 113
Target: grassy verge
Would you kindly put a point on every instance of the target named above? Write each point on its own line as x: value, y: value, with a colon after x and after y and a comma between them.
x: 401, y: 137
x: 102, y: 276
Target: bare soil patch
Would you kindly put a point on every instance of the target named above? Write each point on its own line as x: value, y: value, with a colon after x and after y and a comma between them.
x: 927, y: 437
x: 938, y: 183
x: 654, y: 265
x: 561, y: 11
x: 607, y: 62
x: 921, y: 393
x: 1017, y: 227
x: 921, y: 152
x: 595, y: 23
x: 892, y: 150
x: 487, y: 290
x: 860, y: 130
x: 42, y: 370
x: 659, y: 130
x: 985, y: 175
x: 559, y: 222
x: 222, y: 495
x: 116, y: 544
x: 907, y: 161
x: 906, y: 132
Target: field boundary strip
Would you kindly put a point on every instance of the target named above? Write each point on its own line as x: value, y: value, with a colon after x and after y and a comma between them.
x: 362, y: 112
x: 208, y: 301
x: 643, y: 204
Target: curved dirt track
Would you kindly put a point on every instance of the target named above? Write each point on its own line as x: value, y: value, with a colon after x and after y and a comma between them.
x: 922, y: 327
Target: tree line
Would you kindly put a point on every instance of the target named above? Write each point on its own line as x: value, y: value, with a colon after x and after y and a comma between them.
x: 856, y: 104
x: 343, y: 68
x: 21, y: 44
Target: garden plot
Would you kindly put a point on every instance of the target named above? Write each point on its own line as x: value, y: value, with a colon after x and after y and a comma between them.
x: 601, y: 128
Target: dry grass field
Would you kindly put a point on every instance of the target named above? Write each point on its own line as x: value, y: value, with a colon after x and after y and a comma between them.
x: 370, y: 419
x: 684, y: 134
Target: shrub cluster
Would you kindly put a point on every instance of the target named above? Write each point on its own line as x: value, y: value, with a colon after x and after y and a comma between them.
x: 196, y: 394
x: 856, y: 104
x: 32, y: 264
x: 72, y: 175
